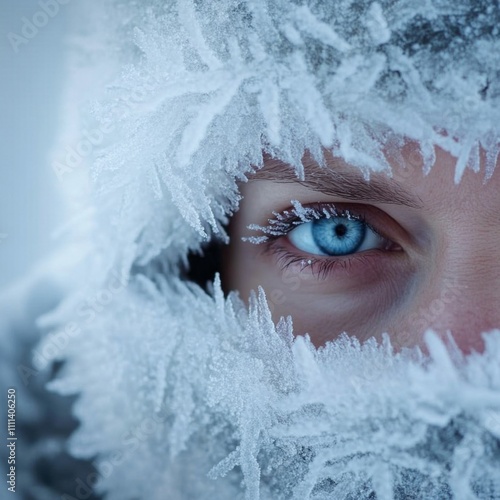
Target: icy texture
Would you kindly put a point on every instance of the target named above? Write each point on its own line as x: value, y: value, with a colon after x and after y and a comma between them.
x: 208, y: 400
x: 197, y: 90
x: 187, y: 395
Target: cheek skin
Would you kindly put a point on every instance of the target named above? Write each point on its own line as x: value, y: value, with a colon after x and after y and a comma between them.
x: 325, y: 317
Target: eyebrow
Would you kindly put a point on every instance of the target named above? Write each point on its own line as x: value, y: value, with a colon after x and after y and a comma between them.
x: 348, y: 185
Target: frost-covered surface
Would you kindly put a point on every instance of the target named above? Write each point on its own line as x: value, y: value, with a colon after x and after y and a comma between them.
x: 196, y: 91
x: 190, y: 396
x: 207, y: 400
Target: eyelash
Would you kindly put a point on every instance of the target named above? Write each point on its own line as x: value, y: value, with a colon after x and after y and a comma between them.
x: 288, y: 220
x: 320, y: 267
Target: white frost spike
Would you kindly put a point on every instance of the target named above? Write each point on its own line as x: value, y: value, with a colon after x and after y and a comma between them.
x: 269, y: 104
x: 300, y: 211
x: 255, y: 240
x: 462, y: 161
x: 492, y: 157
x: 308, y: 97
x: 429, y: 156
x: 188, y: 17
x: 226, y: 465
x: 196, y: 131
x: 316, y: 469
x: 309, y: 23
x: 377, y: 25
x: 440, y: 355
x: 307, y: 367
x: 182, y: 197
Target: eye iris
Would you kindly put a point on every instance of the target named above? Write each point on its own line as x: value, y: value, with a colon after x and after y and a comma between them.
x: 338, y: 235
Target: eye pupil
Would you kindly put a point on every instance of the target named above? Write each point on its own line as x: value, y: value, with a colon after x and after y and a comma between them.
x: 340, y: 230
x: 338, y: 235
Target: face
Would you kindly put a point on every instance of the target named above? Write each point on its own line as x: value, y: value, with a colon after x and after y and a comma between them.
x: 393, y: 254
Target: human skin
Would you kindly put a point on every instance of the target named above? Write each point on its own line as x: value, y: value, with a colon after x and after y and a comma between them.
x: 438, y: 266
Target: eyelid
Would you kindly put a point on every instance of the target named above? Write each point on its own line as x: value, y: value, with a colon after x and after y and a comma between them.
x: 339, y: 212
x: 319, y: 266
x: 376, y: 219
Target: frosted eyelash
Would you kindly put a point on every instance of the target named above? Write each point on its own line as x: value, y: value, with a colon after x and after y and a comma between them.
x: 285, y: 221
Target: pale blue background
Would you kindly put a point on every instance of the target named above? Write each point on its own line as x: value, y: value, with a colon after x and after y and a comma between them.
x: 31, y: 80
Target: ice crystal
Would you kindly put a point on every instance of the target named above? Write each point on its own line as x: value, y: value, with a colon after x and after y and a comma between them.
x: 197, y: 91
x: 188, y: 394
x: 200, y: 395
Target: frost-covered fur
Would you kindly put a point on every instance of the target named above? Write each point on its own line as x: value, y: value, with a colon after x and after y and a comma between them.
x: 186, y: 394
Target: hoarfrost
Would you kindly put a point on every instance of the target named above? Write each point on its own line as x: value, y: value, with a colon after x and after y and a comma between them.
x: 191, y: 390
x: 205, y: 89
x: 208, y: 393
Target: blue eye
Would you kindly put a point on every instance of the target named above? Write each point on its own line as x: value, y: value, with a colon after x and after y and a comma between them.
x: 335, y: 236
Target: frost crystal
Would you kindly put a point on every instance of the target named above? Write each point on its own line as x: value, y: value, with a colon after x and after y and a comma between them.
x: 196, y: 92
x: 207, y: 399
x: 190, y: 395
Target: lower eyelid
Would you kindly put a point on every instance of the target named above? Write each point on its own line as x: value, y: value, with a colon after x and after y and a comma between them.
x: 288, y: 257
